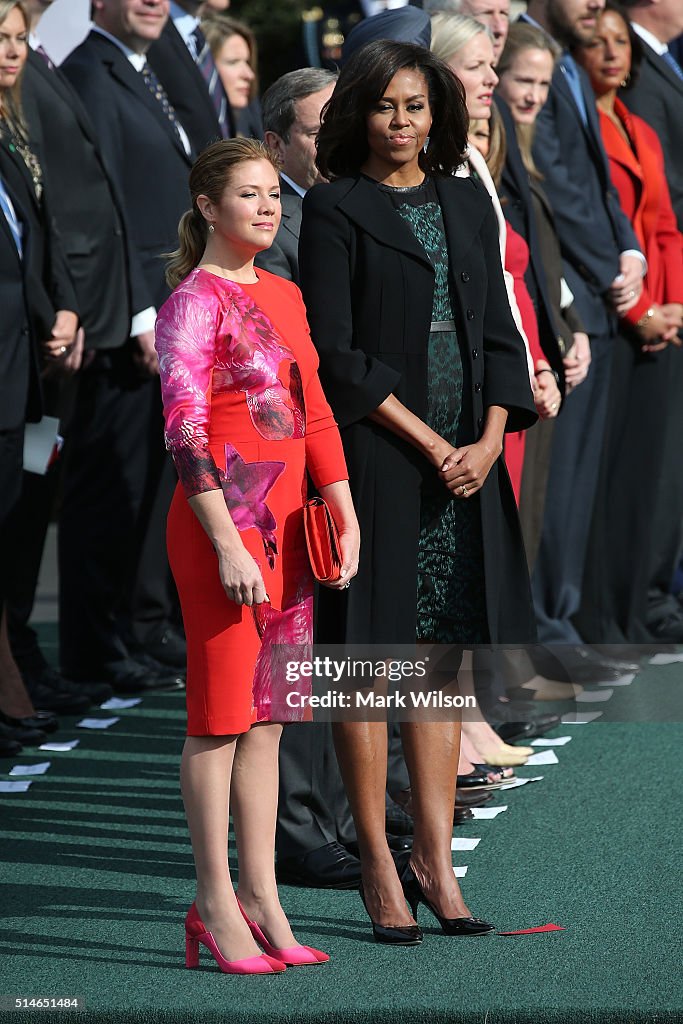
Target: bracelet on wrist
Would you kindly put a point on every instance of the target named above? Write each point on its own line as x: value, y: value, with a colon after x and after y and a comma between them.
x: 646, y: 317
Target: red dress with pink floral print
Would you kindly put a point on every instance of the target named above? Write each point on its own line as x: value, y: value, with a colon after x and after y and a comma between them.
x: 245, y: 414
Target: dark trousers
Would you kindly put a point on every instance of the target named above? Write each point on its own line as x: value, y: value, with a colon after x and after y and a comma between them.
x: 570, y: 499
x: 11, y: 460
x: 312, y: 808
x: 112, y: 510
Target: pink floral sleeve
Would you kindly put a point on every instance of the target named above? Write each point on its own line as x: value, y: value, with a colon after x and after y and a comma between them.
x: 185, y: 343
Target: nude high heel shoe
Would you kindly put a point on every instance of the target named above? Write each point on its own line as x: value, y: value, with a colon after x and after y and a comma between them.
x: 292, y: 956
x: 195, y: 932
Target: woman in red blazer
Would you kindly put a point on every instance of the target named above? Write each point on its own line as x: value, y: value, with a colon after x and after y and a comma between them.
x: 617, y: 568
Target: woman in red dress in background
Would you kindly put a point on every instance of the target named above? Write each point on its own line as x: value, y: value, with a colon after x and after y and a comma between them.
x: 245, y: 419
x: 618, y: 564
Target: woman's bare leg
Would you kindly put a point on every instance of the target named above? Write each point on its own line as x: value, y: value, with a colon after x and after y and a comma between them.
x: 362, y: 754
x: 14, y: 698
x: 431, y: 751
x: 253, y: 801
x: 205, y: 773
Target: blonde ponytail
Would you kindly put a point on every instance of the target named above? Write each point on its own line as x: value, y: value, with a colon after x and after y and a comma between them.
x: 208, y: 177
x: 192, y: 235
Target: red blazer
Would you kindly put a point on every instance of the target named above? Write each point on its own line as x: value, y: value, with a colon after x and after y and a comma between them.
x: 638, y: 175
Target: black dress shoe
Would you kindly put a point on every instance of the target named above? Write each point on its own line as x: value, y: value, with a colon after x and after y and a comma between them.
x: 63, y: 700
x: 398, y: 846
x: 167, y: 646
x: 397, y: 822
x: 393, y: 935
x: 24, y: 736
x: 45, y: 721
x: 568, y: 663
x: 476, y: 799
x: 462, y: 814
x: 513, y: 732
x: 415, y: 895
x: 668, y: 630
x: 130, y: 676
x: 328, y: 867
x: 49, y: 679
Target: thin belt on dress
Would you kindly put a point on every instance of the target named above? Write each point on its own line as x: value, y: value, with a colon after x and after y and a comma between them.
x: 441, y: 325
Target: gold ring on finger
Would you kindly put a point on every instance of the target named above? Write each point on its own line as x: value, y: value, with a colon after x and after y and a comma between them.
x: 464, y: 491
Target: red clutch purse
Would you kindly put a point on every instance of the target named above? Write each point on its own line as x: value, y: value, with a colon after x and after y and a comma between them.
x: 322, y: 541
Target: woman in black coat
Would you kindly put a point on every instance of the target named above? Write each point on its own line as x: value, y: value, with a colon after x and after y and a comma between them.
x: 425, y: 370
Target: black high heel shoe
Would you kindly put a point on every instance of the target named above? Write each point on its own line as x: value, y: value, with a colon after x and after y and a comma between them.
x: 404, y: 935
x: 415, y: 895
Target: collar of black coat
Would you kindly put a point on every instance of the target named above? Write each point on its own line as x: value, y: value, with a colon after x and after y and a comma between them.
x: 463, y: 202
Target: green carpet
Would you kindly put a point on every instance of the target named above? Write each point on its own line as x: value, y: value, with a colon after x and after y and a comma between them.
x: 97, y: 876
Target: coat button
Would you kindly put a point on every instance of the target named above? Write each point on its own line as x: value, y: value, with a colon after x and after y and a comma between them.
x: 480, y: 422
x: 470, y: 314
x: 464, y: 276
x: 475, y: 353
x: 477, y: 387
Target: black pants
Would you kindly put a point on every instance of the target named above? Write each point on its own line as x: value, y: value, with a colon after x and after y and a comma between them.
x: 113, y: 511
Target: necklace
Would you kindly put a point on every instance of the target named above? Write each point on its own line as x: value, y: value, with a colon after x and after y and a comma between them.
x: 19, y: 144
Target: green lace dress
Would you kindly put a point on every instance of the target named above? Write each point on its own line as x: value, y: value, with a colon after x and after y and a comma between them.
x: 451, y: 605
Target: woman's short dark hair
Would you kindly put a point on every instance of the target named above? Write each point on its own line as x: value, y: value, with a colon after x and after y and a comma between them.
x: 634, y: 39
x: 343, y: 139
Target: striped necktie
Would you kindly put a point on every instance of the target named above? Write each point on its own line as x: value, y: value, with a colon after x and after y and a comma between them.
x: 157, y: 90
x: 206, y: 64
x: 673, y: 64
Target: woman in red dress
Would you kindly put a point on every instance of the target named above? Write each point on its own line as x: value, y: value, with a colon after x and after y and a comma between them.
x: 618, y: 567
x: 245, y: 419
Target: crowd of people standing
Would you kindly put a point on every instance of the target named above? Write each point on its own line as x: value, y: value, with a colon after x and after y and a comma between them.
x: 480, y: 223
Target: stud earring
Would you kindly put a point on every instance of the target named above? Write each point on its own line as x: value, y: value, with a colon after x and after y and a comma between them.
x: 211, y: 229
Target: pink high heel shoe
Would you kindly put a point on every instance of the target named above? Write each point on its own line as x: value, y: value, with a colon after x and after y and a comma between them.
x: 195, y: 932
x: 293, y: 956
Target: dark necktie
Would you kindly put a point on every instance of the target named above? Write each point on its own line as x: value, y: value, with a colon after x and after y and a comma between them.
x: 42, y: 52
x: 673, y: 64
x: 157, y: 90
x: 206, y: 64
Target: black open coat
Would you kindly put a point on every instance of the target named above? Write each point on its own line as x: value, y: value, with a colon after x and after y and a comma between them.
x: 368, y: 287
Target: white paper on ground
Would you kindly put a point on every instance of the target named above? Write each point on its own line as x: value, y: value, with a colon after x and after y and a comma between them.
x: 593, y: 696
x: 14, y: 787
x: 558, y: 742
x: 460, y: 872
x: 464, y: 844
x: 666, y: 659
x: 622, y: 681
x: 30, y: 769
x: 483, y: 813
x: 521, y: 782
x: 97, y: 723
x: 39, y: 442
x: 59, y: 747
x: 543, y: 757
x: 580, y: 717
x: 120, y: 703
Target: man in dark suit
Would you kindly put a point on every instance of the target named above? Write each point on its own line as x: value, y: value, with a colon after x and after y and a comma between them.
x: 116, y: 506
x: 314, y: 819
x: 658, y: 99
x: 604, y: 268
x: 185, y: 67
x: 86, y: 215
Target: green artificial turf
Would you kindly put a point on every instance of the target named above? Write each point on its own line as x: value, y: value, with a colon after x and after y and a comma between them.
x: 97, y: 876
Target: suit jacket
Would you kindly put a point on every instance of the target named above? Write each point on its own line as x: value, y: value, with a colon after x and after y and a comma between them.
x: 519, y: 211
x: 143, y: 157
x: 186, y: 89
x: 368, y: 287
x: 658, y: 99
x: 283, y: 256
x: 83, y: 203
x: 32, y: 289
x: 591, y: 225
x: 638, y: 174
